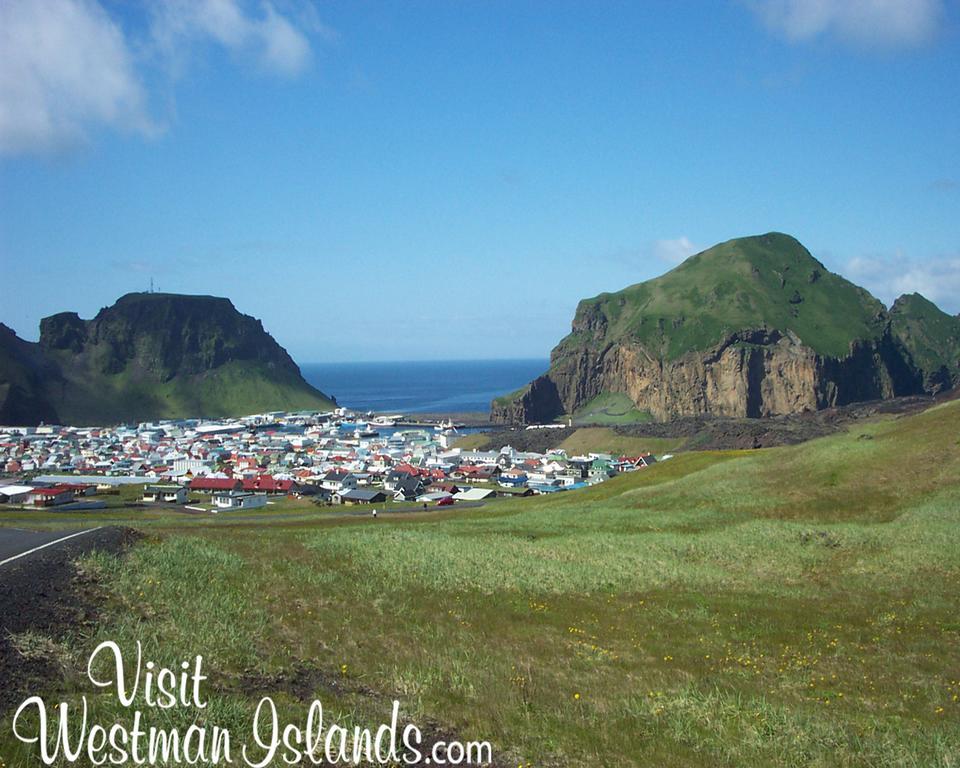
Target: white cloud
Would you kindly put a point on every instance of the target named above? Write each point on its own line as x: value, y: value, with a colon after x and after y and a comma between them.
x: 64, y: 65
x: 674, y: 251
x: 890, y: 23
x: 938, y: 279
x: 269, y: 38
x: 67, y: 66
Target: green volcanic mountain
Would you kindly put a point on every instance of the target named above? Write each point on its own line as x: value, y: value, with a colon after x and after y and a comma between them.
x: 752, y: 327
x: 150, y: 355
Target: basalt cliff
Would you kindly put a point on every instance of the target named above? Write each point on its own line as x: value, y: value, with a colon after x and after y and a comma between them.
x: 150, y: 355
x: 752, y: 327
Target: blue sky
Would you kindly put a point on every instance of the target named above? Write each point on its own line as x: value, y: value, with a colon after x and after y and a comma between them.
x: 443, y: 180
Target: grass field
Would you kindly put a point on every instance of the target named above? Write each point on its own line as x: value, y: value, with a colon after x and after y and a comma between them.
x: 604, y: 440
x: 610, y: 408
x: 786, y: 607
x: 593, y: 440
x: 472, y: 442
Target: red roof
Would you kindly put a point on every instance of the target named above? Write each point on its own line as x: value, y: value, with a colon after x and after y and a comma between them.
x: 55, y: 491
x: 267, y: 483
x: 409, y: 469
x: 213, y: 484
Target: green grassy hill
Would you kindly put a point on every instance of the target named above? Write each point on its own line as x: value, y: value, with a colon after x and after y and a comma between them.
x: 768, y: 281
x: 232, y: 389
x: 149, y: 356
x: 784, y: 607
x: 753, y: 327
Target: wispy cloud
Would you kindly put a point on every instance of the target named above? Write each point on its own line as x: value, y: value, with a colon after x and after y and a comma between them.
x: 675, y: 250
x: 68, y: 67
x: 267, y: 37
x: 64, y: 66
x: 887, y: 23
x: 888, y: 277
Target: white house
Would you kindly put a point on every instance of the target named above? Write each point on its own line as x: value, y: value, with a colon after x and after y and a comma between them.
x: 239, y: 500
x: 195, y: 466
x: 336, y: 481
x: 170, y: 494
x: 14, y: 494
x: 475, y: 494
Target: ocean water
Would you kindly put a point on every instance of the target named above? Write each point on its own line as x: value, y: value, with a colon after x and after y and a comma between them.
x: 465, y: 386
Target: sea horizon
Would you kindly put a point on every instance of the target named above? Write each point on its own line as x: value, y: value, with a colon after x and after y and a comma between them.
x: 422, y: 386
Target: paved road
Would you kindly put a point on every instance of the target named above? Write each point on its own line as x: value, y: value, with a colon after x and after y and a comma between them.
x: 17, y: 544
x: 41, y: 591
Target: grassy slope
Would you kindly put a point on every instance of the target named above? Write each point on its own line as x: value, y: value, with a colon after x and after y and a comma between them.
x: 511, y: 396
x: 234, y: 389
x: 610, y: 408
x: 794, y: 606
x: 472, y: 442
x: 737, y: 285
x: 603, y: 440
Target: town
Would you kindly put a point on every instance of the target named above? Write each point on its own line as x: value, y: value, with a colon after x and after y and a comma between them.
x: 335, y: 458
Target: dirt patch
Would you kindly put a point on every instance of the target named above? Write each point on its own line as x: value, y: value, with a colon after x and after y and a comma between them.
x: 301, y: 683
x: 44, y: 596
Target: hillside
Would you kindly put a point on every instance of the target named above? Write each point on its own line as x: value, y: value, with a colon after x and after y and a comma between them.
x: 752, y: 327
x: 931, y: 337
x: 22, y: 396
x: 793, y: 606
x: 150, y: 356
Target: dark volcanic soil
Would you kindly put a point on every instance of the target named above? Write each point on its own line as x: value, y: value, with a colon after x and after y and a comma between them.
x: 703, y: 433
x: 45, y: 594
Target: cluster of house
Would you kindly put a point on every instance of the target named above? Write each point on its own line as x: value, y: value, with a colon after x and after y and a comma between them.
x: 239, y: 464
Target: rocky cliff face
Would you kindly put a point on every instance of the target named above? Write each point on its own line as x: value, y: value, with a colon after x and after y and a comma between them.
x: 22, y: 372
x: 754, y: 373
x: 626, y: 343
x: 155, y: 356
x: 163, y: 336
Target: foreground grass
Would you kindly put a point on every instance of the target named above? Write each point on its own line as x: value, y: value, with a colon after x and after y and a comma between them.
x: 795, y: 606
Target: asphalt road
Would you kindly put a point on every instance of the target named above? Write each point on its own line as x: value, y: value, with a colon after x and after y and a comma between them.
x: 18, y: 544
x: 41, y: 591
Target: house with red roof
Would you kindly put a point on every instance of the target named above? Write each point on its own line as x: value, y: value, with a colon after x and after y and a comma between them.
x: 630, y: 463
x: 50, y: 497
x: 215, y: 484
x: 267, y: 484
